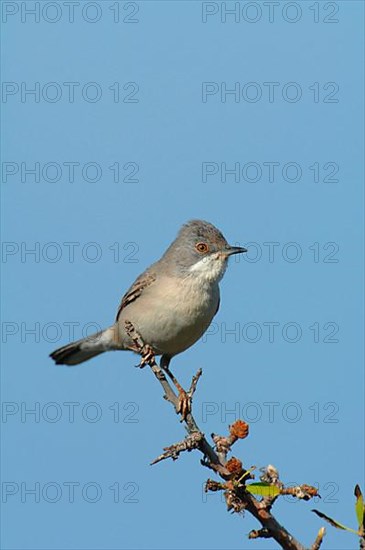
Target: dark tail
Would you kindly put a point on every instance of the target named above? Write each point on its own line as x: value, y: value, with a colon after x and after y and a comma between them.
x: 82, y: 350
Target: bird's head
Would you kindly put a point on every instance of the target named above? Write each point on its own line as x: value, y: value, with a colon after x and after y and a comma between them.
x: 200, y: 250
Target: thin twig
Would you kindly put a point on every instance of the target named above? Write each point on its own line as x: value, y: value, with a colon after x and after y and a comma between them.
x: 190, y: 442
x: 194, y: 383
x: 259, y: 534
x: 317, y: 543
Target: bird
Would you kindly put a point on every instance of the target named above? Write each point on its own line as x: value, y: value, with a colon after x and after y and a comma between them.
x: 170, y: 305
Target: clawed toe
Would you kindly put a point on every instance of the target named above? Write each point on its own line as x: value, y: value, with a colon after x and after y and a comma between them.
x: 147, y: 356
x: 184, y: 404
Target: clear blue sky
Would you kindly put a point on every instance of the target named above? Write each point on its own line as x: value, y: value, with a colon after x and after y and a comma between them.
x: 148, y: 97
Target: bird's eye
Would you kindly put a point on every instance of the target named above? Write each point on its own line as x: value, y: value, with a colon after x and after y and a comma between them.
x: 202, y: 248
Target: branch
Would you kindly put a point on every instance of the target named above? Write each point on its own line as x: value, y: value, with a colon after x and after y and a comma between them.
x: 237, y: 497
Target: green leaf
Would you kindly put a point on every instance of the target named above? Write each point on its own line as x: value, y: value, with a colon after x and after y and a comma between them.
x: 359, y: 506
x: 334, y: 522
x: 263, y: 489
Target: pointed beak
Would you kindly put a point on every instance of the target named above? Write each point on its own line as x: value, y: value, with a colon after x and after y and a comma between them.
x: 235, y: 250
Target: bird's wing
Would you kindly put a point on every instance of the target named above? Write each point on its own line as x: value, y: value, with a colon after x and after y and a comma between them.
x: 142, y: 282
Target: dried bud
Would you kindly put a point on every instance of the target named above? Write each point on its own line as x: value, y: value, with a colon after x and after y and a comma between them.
x: 239, y: 429
x: 304, y: 492
x: 310, y: 491
x: 212, y: 485
x: 270, y: 475
x: 234, y: 466
x: 221, y: 443
x: 234, y: 503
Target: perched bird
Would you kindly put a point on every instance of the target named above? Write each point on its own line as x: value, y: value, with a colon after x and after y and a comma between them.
x: 170, y: 305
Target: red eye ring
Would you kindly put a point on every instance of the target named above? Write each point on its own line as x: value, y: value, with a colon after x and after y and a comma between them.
x: 202, y: 248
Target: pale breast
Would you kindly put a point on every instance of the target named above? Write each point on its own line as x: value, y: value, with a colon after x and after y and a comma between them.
x: 173, y: 314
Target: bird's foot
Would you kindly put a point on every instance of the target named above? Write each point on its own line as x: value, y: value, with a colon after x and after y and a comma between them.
x: 184, y: 404
x: 147, y: 356
x: 186, y: 397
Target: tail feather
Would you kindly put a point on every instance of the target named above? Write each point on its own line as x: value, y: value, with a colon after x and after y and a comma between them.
x: 82, y: 350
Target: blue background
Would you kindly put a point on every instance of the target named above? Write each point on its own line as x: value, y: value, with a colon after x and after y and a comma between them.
x: 315, y: 434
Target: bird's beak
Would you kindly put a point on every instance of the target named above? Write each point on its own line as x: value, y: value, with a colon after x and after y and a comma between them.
x: 235, y: 250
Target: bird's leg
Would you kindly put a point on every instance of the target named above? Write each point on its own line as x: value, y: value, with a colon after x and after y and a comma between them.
x: 184, y: 404
x: 146, y: 352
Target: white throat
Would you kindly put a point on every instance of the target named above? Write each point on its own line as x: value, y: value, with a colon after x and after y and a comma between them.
x: 210, y: 268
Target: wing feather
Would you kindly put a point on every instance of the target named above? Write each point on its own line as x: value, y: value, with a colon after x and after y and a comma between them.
x: 142, y: 282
